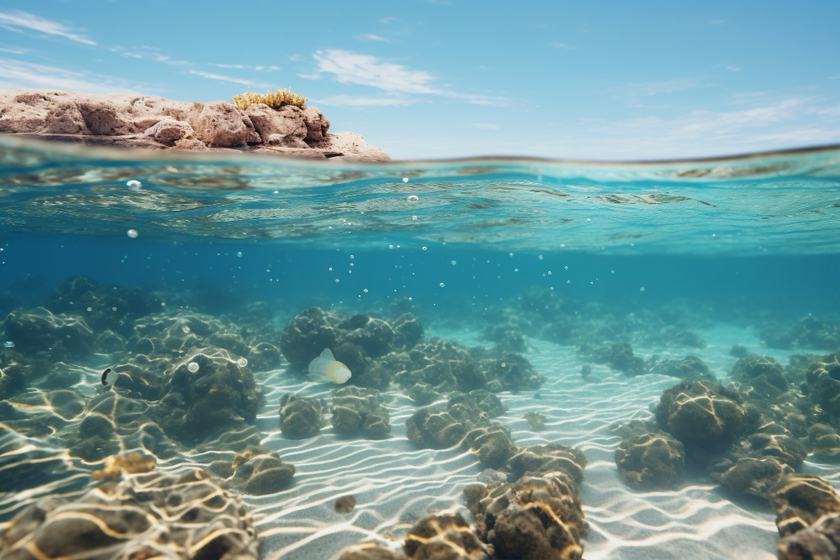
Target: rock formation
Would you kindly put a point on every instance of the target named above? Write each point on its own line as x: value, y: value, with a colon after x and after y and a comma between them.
x: 141, y: 121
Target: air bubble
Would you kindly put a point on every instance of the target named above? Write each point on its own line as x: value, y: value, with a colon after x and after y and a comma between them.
x: 454, y: 263
x: 442, y: 285
x: 390, y: 246
x: 540, y: 257
x: 193, y: 367
x: 239, y: 254
x: 413, y: 198
x: 337, y: 280
x: 90, y: 309
x: 365, y: 290
x: 414, y: 218
x: 642, y: 289
x: 405, y: 179
x: 134, y: 185
x: 242, y: 362
x: 186, y: 329
x: 132, y: 233
x: 424, y: 248
x: 113, y: 309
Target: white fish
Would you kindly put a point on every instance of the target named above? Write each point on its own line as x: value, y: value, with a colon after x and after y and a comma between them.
x: 325, y: 368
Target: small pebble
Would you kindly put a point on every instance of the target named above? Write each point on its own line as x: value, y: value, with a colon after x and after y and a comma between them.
x: 345, y: 504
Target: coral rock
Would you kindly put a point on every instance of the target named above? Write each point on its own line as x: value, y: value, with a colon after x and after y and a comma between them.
x: 650, y: 461
x: 145, y: 515
x: 299, y: 417
x: 444, y: 537
x: 358, y: 410
x: 800, y: 500
x: 820, y: 541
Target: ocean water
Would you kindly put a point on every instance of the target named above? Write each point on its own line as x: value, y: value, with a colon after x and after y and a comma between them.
x: 193, y: 278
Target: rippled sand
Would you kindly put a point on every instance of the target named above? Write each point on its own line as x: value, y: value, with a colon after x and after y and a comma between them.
x: 396, y: 484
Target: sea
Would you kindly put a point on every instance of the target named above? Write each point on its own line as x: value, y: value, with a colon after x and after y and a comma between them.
x: 167, y: 306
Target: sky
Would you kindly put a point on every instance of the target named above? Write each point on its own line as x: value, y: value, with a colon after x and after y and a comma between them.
x: 428, y: 79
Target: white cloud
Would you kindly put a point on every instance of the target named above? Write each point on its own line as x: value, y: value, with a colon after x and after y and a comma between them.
x: 14, y: 50
x: 734, y: 68
x: 386, y: 20
x: 17, y: 20
x: 366, y: 70
x: 211, y: 76
x: 666, y: 86
x: 152, y: 54
x: 354, y: 101
x: 563, y: 46
x: 246, y: 67
x: 15, y: 74
x: 372, y: 37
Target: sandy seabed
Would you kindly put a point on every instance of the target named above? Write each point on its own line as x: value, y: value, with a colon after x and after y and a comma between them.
x: 395, y: 484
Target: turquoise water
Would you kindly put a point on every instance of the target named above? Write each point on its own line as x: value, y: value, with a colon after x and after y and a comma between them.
x: 536, y: 272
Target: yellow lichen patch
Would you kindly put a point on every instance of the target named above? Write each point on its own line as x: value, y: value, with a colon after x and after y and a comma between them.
x: 132, y: 463
x: 275, y: 100
x: 242, y: 458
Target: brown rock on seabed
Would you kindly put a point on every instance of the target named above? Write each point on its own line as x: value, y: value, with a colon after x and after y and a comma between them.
x: 142, y: 121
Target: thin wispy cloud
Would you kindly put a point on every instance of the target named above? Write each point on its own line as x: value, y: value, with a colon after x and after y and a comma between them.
x: 563, y: 46
x: 14, y: 50
x: 665, y: 86
x: 372, y: 37
x: 356, y: 101
x: 394, y: 79
x: 486, y: 126
x: 734, y: 68
x: 367, y: 70
x: 387, y: 20
x: 152, y: 54
x: 18, y: 21
x: 246, y: 67
x: 16, y: 74
x: 212, y: 76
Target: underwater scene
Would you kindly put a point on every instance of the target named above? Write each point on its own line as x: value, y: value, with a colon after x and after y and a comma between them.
x: 221, y: 356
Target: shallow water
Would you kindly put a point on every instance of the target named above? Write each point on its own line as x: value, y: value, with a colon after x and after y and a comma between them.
x: 550, y: 262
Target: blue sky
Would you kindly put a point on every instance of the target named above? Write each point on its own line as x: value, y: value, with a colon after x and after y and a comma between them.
x: 437, y: 79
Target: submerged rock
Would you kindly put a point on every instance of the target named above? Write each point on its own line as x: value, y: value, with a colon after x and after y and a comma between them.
x: 143, y: 516
x: 704, y: 416
x: 300, y: 417
x: 800, y: 500
x: 446, y: 535
x: 820, y: 541
x: 356, y: 410
x: 650, y: 461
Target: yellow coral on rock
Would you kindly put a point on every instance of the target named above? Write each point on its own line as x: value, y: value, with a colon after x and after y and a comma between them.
x: 132, y: 463
x: 275, y: 100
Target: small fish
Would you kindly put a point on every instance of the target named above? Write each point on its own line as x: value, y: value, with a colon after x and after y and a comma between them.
x: 108, y: 377
x: 325, y: 368
x: 345, y: 504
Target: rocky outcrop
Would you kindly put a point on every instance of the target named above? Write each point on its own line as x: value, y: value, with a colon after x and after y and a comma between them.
x: 141, y: 121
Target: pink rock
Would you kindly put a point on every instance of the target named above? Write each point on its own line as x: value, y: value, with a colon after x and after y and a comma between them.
x: 353, y: 148
x: 143, y: 121
x: 218, y: 123
x: 168, y: 131
x: 284, y: 127
x: 317, y: 125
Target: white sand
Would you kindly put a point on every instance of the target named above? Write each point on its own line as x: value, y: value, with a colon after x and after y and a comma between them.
x: 395, y: 484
